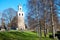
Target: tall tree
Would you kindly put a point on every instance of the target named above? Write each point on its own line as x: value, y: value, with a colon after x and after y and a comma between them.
x: 35, y: 14
x: 42, y: 14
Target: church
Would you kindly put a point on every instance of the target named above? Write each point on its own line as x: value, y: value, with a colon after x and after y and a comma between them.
x: 19, y: 21
x: 20, y: 16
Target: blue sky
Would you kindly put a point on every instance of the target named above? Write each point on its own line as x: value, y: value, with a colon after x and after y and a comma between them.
x: 57, y: 2
x: 4, y: 4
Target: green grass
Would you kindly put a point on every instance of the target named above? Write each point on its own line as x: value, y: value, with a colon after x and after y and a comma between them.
x: 17, y: 35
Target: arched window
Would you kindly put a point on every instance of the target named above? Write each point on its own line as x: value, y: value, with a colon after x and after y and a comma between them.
x: 20, y: 8
x: 19, y: 14
x: 22, y: 14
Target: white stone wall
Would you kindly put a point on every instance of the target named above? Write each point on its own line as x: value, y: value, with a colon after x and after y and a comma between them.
x: 21, y: 24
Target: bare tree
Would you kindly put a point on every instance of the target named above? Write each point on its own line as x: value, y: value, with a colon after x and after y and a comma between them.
x: 42, y: 14
x: 8, y: 15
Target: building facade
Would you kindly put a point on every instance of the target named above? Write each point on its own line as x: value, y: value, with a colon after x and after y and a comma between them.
x: 20, y: 14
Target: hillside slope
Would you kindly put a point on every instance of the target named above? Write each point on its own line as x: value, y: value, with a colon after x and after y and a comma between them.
x: 19, y: 35
x: 16, y: 35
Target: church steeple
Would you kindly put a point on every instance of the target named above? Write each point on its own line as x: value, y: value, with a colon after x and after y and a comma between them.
x: 21, y: 24
x: 19, y: 7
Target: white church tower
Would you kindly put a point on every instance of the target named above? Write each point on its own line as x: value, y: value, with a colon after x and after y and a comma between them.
x: 21, y: 24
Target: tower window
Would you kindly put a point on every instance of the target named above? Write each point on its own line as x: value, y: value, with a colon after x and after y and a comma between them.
x: 22, y: 14
x: 20, y: 8
x: 19, y: 14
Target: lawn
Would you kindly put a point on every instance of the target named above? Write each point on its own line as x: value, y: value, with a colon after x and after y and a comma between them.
x: 19, y: 35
